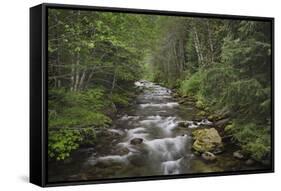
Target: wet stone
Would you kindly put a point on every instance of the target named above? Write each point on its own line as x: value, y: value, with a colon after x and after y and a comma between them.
x: 136, y: 141
x: 208, y: 156
x: 238, y: 154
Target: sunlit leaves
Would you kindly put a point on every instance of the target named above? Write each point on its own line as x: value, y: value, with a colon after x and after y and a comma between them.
x: 73, y: 119
x: 62, y: 142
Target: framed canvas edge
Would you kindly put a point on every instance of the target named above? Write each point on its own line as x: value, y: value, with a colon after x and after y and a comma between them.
x: 44, y: 90
x: 36, y: 150
x: 157, y: 12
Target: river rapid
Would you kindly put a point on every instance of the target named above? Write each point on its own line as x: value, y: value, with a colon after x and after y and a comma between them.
x: 145, y: 140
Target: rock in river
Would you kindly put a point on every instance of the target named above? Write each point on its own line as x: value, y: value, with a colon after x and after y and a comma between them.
x: 238, y: 155
x: 250, y: 162
x: 136, y: 141
x: 206, y: 140
x: 184, y: 123
x: 123, y: 151
x: 208, y: 156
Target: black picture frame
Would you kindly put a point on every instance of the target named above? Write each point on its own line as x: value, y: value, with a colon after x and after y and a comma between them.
x: 39, y: 92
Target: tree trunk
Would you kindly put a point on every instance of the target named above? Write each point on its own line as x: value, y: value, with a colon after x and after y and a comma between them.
x: 72, y: 79
x: 210, y: 42
x: 181, y: 55
x: 77, y: 62
x: 81, y: 83
x: 197, y: 47
x: 77, y: 72
x: 113, y: 83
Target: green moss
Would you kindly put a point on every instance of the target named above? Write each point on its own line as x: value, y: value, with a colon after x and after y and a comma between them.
x: 202, y: 113
x: 206, y: 140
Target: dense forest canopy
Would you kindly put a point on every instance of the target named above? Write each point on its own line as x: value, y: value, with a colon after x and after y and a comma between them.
x: 94, y: 58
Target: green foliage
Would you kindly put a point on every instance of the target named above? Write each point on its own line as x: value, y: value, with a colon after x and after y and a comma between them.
x: 91, y: 58
x: 259, y: 148
x: 78, y: 108
x: 62, y: 142
x: 65, y: 140
x: 148, y: 73
x: 94, y: 58
x: 191, y: 86
x: 253, y: 138
x: 248, y: 96
x: 73, y: 119
x: 224, y: 64
x: 120, y: 99
x: 77, y: 116
x: 214, y: 83
x: 111, y: 46
x: 88, y: 135
x: 201, y: 103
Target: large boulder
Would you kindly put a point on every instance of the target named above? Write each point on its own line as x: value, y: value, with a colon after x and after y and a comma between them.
x: 206, y: 140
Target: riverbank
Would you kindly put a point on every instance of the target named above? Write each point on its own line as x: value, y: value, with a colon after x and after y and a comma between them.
x: 147, y: 139
x: 221, y: 121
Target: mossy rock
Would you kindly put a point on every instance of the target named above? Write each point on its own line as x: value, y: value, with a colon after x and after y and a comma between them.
x: 202, y: 113
x: 200, y: 105
x: 211, y: 117
x: 206, y: 140
x: 214, y: 117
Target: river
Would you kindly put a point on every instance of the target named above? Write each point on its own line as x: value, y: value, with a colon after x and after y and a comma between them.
x: 145, y: 140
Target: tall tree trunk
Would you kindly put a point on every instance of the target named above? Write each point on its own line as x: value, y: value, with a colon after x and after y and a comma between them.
x: 89, y: 78
x: 77, y: 72
x: 81, y: 83
x: 58, y: 80
x: 77, y: 62
x: 198, y: 47
x: 210, y: 42
x: 72, y: 79
x: 113, y: 83
x: 176, y: 58
x: 181, y: 55
x: 56, y: 67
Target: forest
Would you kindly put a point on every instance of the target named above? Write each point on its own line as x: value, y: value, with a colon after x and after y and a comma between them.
x: 95, y: 58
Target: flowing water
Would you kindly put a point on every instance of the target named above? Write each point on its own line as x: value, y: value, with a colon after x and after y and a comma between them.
x: 144, y: 141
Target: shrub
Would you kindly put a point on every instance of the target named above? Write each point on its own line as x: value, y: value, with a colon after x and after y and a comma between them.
x: 191, y: 86
x: 215, y: 82
x: 73, y: 119
x: 254, y: 139
x: 79, y: 109
x: 246, y: 95
x: 120, y: 99
x: 62, y: 142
